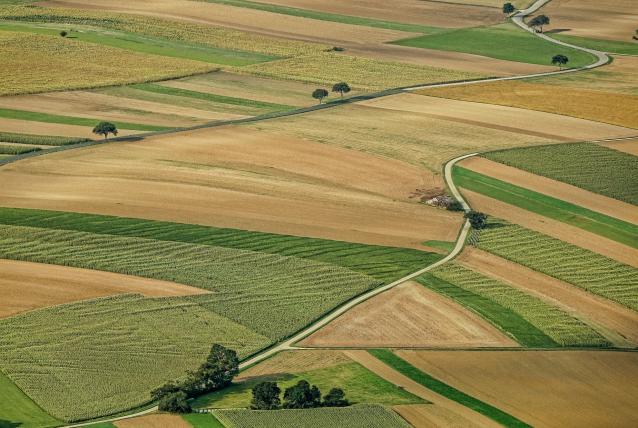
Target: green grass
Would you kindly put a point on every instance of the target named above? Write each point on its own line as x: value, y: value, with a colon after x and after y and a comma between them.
x: 589, y: 166
x: 546, y: 325
x: 18, y: 410
x: 383, y: 263
x: 445, y: 390
x: 202, y: 420
x: 332, y: 17
x: 574, y: 215
x: 446, y: 246
x: 363, y: 416
x: 145, y: 44
x: 69, y: 120
x: 8, y: 149
x: 504, y: 41
x: 625, y: 48
x: 582, y: 268
x: 43, y: 140
x: 101, y: 425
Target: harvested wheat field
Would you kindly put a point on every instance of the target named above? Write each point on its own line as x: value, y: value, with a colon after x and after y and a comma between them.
x: 26, y: 286
x: 408, y: 315
x: 43, y: 128
x: 582, y: 103
x: 617, y: 323
x: 295, y: 362
x: 543, y: 388
x: 432, y: 416
x: 563, y: 191
x: 596, y: 19
x: 237, y: 177
x: 161, y: 420
x: 630, y: 147
x: 557, y: 229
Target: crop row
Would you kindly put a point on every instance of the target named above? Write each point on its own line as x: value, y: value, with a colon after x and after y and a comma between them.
x: 582, y: 268
x: 8, y: 149
x: 43, y: 140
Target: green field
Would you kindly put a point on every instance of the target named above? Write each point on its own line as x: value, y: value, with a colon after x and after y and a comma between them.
x: 10, y: 149
x: 504, y: 41
x: 18, y: 410
x: 202, y: 420
x: 43, y: 140
x: 569, y: 263
x: 575, y: 215
x: 612, y: 46
x: 446, y: 246
x: 589, y: 166
x: 537, y: 323
x: 407, y: 369
x: 362, y: 416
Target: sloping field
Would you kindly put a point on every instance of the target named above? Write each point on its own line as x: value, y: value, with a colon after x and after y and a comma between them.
x: 26, y: 286
x: 630, y: 147
x: 47, y: 129
x: 543, y: 388
x: 502, y: 118
x: 296, y: 361
x: 18, y: 410
x: 259, y: 181
x: 154, y: 421
x: 431, y: 416
x: 584, y: 103
x: 408, y: 315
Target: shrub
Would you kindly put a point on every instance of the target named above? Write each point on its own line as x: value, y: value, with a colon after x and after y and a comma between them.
x: 63, y: 33
x: 175, y: 402
x: 455, y: 206
x: 335, y: 398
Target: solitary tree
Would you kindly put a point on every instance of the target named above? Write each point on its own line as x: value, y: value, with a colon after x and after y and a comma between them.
x: 105, y: 128
x: 508, y: 8
x: 221, y: 366
x: 63, y: 33
x: 560, y: 60
x: 175, y: 402
x: 335, y: 398
x: 477, y: 219
x: 266, y: 396
x: 302, y: 396
x: 319, y: 94
x: 539, y: 21
x: 341, y: 87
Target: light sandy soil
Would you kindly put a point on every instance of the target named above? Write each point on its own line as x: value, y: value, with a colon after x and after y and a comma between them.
x: 502, y: 117
x: 433, y: 13
x: 630, y: 147
x: 543, y: 388
x: 26, y: 286
x: 107, y: 107
x: 408, y: 315
x: 42, y: 128
x: 608, y: 19
x: 564, y: 232
x: 295, y: 362
x: 161, y: 420
x: 566, y: 192
x: 459, y: 411
x: 432, y: 416
x: 237, y: 177
x: 617, y: 323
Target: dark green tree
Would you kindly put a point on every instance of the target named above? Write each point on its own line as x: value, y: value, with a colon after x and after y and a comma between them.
x: 477, y: 219
x: 455, y: 206
x: 166, y: 389
x: 105, y: 128
x: 302, y: 396
x: 175, y: 402
x: 560, y: 60
x: 63, y: 33
x: 319, y: 94
x: 335, y: 398
x: 539, y: 21
x: 508, y: 8
x: 221, y: 366
x: 341, y: 87
x: 265, y: 396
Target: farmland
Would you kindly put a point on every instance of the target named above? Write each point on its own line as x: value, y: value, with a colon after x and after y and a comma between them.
x: 17, y: 409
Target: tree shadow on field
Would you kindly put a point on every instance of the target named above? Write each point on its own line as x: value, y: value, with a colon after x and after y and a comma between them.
x: 558, y: 30
x: 8, y: 424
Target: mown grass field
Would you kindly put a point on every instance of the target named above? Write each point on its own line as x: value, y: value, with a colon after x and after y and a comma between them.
x: 589, y: 166
x: 407, y: 369
x: 362, y: 416
x: 528, y: 319
x: 18, y: 410
x: 43, y: 140
x: 205, y: 420
x: 582, y: 268
x: 504, y: 41
x: 612, y: 46
x: 601, y: 224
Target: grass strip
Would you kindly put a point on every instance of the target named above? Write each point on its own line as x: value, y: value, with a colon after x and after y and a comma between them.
x: 613, y: 46
x: 41, y: 140
x: 446, y: 390
x: 70, y: 120
x: 202, y: 420
x: 17, y: 409
x: 574, y: 215
x: 7, y: 149
x: 331, y: 17
x: 166, y: 90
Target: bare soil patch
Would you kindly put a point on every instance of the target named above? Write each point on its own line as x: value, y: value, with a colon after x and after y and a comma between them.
x: 617, y: 323
x: 543, y: 388
x: 43, y: 128
x: 161, y: 420
x: 432, y: 416
x: 630, y: 147
x: 566, y: 192
x: 408, y: 315
x: 295, y: 362
x: 237, y: 177
x: 564, y: 232
x: 26, y: 286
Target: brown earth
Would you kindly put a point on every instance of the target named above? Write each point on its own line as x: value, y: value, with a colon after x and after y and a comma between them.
x: 26, y: 286
x: 296, y: 361
x: 161, y: 420
x: 630, y: 147
x: 42, y: 128
x: 609, y: 19
x: 564, y: 232
x: 458, y: 411
x: 617, y: 323
x: 563, y: 191
x: 237, y: 177
x: 543, y: 388
x: 501, y: 117
x: 432, y: 416
x: 408, y: 315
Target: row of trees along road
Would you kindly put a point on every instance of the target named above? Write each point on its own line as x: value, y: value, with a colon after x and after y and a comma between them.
x: 341, y: 87
x: 299, y: 396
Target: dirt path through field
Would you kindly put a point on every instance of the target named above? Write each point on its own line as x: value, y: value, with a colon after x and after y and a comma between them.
x: 25, y: 286
x: 563, y: 191
x: 617, y: 323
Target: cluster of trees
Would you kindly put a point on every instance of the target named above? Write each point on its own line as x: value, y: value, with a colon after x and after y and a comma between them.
x: 341, y: 87
x: 478, y: 220
x: 217, y: 372
x: 299, y: 396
